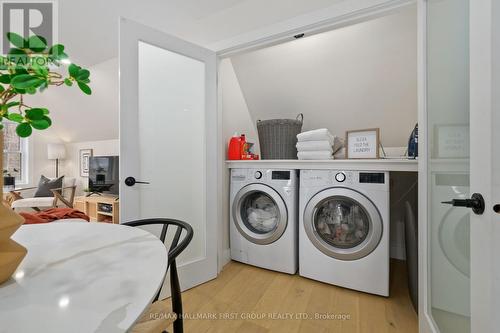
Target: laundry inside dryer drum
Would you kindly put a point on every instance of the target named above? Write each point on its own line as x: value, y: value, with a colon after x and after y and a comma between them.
x: 260, y: 213
x: 341, y: 222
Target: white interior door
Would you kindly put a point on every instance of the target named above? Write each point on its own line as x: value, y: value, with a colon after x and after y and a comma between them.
x: 168, y: 132
x: 459, y: 118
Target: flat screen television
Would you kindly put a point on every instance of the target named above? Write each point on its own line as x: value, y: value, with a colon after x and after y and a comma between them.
x: 103, y: 174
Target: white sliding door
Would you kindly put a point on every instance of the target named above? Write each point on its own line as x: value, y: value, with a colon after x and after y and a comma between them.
x: 168, y: 132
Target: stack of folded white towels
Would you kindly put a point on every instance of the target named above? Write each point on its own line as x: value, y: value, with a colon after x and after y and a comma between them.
x: 317, y: 144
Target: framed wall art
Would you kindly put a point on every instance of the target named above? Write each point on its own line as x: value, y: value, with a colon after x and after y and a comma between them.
x: 85, y: 155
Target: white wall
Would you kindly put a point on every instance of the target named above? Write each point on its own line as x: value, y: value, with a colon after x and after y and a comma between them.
x: 235, y: 118
x: 447, y: 74
x: 72, y: 162
x: 38, y: 163
x: 77, y: 119
x: 360, y: 76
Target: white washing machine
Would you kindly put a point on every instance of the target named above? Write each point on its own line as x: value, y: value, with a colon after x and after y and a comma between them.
x: 450, y: 244
x: 263, y: 218
x: 344, y: 229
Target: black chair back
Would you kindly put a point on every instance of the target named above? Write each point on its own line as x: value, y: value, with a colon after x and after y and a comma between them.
x: 176, y: 247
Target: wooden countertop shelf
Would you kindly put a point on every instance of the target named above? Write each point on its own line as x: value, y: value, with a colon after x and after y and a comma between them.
x: 386, y: 164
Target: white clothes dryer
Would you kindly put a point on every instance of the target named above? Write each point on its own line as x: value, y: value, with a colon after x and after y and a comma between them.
x: 263, y: 218
x: 344, y: 229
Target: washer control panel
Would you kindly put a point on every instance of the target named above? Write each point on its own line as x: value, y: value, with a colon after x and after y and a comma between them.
x: 271, y: 176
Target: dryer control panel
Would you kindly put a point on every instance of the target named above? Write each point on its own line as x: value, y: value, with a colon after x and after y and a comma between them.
x: 341, y: 177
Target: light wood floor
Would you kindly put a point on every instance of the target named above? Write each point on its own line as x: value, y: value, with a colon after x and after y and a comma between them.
x: 248, y: 299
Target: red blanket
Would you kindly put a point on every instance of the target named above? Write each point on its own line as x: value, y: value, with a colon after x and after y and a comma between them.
x: 53, y: 214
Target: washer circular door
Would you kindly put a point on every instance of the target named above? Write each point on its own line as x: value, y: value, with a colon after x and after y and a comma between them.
x: 343, y: 223
x: 454, y: 240
x: 260, y: 214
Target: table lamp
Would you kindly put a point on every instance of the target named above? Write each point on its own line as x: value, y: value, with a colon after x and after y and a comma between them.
x: 56, y: 151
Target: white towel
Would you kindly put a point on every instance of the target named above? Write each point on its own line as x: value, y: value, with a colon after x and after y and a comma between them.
x: 315, y: 155
x: 314, y: 145
x: 337, y: 144
x: 316, y: 135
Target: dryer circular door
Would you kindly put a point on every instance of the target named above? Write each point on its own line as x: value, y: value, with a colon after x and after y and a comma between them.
x: 260, y: 214
x: 343, y: 223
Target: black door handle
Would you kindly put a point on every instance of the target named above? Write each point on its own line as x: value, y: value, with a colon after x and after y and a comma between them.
x: 130, y: 181
x: 476, y: 202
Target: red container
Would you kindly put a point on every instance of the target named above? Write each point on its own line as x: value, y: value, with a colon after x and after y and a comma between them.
x: 243, y: 143
x: 234, y: 149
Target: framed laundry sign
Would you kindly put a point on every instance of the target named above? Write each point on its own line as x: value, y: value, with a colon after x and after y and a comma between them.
x: 362, y: 143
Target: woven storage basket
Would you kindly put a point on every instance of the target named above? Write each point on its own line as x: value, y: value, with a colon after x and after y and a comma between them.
x: 278, y: 138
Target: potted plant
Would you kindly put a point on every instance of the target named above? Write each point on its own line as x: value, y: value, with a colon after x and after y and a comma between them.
x: 30, y: 67
x: 9, y: 181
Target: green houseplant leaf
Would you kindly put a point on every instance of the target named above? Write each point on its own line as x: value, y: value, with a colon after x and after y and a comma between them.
x: 28, y: 68
x: 35, y: 114
x: 16, y: 117
x: 25, y: 81
x: 83, y: 74
x: 5, y: 78
x: 41, y: 124
x: 18, y: 57
x: 20, y: 70
x: 73, y: 70
x: 16, y: 40
x: 37, y: 43
x: 43, y: 86
x: 41, y: 70
x: 85, y: 88
x: 24, y: 130
x: 56, y: 52
x: 56, y: 49
x: 6, y: 107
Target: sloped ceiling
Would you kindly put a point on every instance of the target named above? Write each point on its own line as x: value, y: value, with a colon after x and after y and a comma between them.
x: 89, y: 29
x: 360, y: 76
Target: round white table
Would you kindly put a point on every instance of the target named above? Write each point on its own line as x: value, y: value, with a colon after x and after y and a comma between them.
x: 81, y: 277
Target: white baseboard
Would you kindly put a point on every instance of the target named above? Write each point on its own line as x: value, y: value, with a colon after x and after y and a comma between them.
x: 225, y: 258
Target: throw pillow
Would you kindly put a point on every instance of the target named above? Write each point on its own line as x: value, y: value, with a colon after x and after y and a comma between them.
x: 45, y: 185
